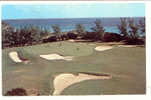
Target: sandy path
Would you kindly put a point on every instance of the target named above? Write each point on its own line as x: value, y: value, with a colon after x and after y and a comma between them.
x: 14, y: 56
x: 103, y: 48
x: 63, y: 81
x: 56, y: 57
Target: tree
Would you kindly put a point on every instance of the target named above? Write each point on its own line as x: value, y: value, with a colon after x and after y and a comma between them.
x: 7, y: 30
x: 56, y: 30
x: 134, y: 38
x: 141, y: 25
x: 24, y: 35
x: 123, y: 27
x: 14, y: 38
x: 80, y: 29
x: 133, y: 29
x: 34, y: 34
x: 45, y: 32
x: 29, y: 35
x: 142, y: 29
x: 99, y: 29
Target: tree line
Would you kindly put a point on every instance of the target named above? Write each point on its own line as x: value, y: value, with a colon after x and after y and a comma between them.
x: 129, y: 32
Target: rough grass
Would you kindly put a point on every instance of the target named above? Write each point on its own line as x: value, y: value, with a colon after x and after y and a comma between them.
x: 127, y: 65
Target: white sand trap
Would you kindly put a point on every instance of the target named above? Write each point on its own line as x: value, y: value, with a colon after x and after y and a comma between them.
x: 14, y: 56
x: 103, y: 48
x: 128, y: 46
x: 56, y: 57
x: 71, y: 40
x: 63, y: 81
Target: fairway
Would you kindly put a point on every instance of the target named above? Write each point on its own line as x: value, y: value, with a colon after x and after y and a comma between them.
x: 126, y: 65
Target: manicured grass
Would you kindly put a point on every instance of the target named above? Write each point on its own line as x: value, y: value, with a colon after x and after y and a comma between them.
x: 127, y: 65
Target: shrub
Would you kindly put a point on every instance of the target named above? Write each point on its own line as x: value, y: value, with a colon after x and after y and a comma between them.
x: 71, y: 35
x: 64, y: 37
x: 50, y: 39
x: 112, y: 37
x: 90, y: 36
x: 135, y: 41
x: 16, y: 92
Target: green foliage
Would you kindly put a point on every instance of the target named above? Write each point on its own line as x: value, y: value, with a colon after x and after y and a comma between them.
x: 35, y: 33
x: 99, y: 29
x: 28, y: 35
x: 133, y: 29
x: 17, y: 92
x: 80, y: 29
x: 21, y: 36
x: 142, y: 26
x: 123, y: 27
x: 6, y: 32
x: 56, y: 29
x: 13, y: 38
x: 130, y: 31
x: 45, y: 32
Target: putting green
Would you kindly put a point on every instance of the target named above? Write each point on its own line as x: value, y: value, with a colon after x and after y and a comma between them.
x: 63, y: 48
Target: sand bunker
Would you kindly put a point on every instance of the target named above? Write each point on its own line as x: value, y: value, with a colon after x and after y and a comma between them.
x: 128, y: 46
x: 103, y: 48
x: 71, y: 40
x: 63, y: 81
x: 92, y: 44
x: 56, y: 57
x: 14, y: 56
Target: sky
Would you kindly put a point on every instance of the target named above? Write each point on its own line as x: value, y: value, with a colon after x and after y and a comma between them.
x: 67, y: 10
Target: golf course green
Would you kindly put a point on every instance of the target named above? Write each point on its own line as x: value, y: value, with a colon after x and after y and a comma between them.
x: 126, y: 65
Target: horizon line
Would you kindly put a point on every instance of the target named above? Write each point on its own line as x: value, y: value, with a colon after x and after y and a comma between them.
x: 73, y: 18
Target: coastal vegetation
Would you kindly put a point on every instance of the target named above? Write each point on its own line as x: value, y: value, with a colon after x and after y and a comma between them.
x: 129, y: 32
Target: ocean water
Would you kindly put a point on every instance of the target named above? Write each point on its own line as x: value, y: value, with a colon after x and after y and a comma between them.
x: 68, y: 24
